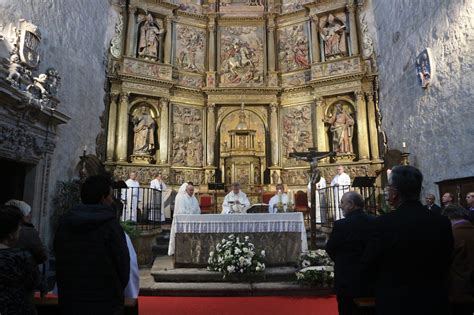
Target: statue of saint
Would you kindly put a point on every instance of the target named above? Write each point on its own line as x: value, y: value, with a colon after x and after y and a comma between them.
x: 332, y: 34
x: 342, y: 125
x: 149, y: 39
x: 144, y: 132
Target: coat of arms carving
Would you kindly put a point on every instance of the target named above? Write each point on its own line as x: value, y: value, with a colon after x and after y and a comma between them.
x: 30, y: 38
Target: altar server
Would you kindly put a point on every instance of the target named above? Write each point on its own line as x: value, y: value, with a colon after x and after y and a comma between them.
x: 341, y: 184
x: 186, y: 202
x: 279, y: 200
x: 131, y: 197
x: 235, y: 201
x: 321, y: 209
x: 158, y: 184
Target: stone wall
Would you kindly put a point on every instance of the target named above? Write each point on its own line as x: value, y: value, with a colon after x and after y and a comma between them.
x: 436, y: 123
x: 75, y: 38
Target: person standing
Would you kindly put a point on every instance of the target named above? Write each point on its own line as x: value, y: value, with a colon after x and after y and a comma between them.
x: 430, y: 204
x: 92, y: 257
x: 158, y: 183
x: 346, y: 246
x: 320, y: 196
x: 158, y: 196
x: 131, y: 197
x: 18, y: 271
x: 470, y: 205
x: 410, y: 251
x: 280, y: 200
x: 341, y: 184
x: 447, y: 199
x: 186, y: 202
x: 235, y: 201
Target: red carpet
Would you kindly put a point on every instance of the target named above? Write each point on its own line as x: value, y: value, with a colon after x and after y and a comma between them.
x: 157, y: 305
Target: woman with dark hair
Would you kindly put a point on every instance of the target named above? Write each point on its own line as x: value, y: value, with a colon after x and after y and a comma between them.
x: 18, y: 272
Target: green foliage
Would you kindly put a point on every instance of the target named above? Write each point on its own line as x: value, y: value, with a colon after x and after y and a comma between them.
x: 317, y: 269
x: 234, y: 256
x: 130, y: 228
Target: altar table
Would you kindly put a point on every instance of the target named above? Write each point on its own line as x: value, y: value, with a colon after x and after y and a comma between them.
x: 281, y: 235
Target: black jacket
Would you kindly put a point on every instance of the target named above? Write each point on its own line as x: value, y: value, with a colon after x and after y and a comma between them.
x: 346, y: 245
x: 434, y: 208
x: 92, y: 261
x: 411, y: 253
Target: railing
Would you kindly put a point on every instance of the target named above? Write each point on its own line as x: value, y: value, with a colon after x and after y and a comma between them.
x: 142, y: 207
x: 328, y: 202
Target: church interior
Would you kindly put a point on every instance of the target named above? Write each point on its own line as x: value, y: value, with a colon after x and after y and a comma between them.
x: 216, y: 92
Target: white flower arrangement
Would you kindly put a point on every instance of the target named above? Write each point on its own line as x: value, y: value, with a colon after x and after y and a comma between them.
x: 236, y: 256
x: 317, y: 269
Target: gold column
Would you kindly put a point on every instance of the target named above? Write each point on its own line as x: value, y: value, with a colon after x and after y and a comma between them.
x: 315, y: 38
x: 164, y: 130
x: 322, y: 139
x: 122, y: 140
x: 362, y: 134
x: 131, y: 32
x: 271, y: 43
x: 169, y: 27
x: 212, y: 43
x: 274, y: 132
x: 112, y: 126
x: 353, y: 29
x: 211, y: 133
x: 374, y: 143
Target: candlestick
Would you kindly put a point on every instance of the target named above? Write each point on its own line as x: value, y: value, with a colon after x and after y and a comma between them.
x: 84, y: 153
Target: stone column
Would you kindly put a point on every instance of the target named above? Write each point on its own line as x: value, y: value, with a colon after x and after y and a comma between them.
x: 271, y: 43
x: 122, y: 140
x: 131, y: 32
x: 112, y: 126
x: 164, y: 130
x: 373, y: 134
x: 353, y: 29
x: 315, y: 38
x: 362, y: 134
x: 321, y: 137
x: 169, y: 33
x: 212, y: 43
x: 211, y: 133
x: 274, y: 133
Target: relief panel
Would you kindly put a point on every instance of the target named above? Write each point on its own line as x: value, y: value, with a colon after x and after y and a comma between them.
x: 293, y: 47
x: 296, y: 131
x: 190, y: 48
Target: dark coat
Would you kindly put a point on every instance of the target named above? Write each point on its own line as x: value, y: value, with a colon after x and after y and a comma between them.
x: 29, y: 239
x: 462, y: 266
x: 411, y: 254
x: 346, y: 245
x: 435, y: 209
x: 92, y: 261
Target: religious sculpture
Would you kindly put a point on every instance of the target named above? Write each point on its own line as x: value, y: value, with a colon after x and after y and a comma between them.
x: 332, y: 34
x: 294, y: 48
x: 14, y: 71
x: 296, y: 129
x: 190, y: 48
x: 144, y: 132
x: 424, y: 68
x: 187, y: 136
x: 149, y: 39
x: 342, y: 125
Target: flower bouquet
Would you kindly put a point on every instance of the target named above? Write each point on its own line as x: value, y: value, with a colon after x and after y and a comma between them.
x: 317, y: 269
x: 234, y: 256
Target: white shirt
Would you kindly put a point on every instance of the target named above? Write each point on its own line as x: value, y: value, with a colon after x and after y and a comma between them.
x: 133, y: 286
x: 158, y: 184
x: 133, y: 184
x: 319, y: 185
x: 272, y: 204
x: 341, y: 180
x: 185, y: 204
x: 230, y: 200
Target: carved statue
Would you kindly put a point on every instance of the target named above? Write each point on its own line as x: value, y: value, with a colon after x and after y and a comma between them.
x: 342, y: 125
x: 14, y: 71
x: 332, y: 34
x: 275, y: 177
x: 149, y: 40
x: 144, y: 132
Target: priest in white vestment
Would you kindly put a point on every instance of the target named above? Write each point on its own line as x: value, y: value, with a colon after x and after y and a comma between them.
x: 186, y: 202
x: 321, y: 210
x: 279, y: 200
x: 131, y: 197
x: 158, y: 198
x: 341, y: 184
x: 236, y: 201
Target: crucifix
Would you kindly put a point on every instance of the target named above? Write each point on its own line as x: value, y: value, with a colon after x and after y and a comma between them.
x: 312, y: 156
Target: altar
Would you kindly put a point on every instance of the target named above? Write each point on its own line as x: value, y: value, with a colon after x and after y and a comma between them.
x: 281, y: 235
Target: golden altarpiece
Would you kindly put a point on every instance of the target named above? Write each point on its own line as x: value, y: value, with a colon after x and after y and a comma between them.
x: 218, y: 91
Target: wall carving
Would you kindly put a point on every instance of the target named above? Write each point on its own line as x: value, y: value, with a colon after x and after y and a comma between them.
x: 296, y: 131
x: 295, y: 78
x: 293, y: 47
x: 116, y: 41
x: 295, y: 177
x: 179, y: 176
x: 144, y: 174
x: 293, y: 5
x: 22, y: 143
x: 241, y: 56
x: 192, y: 81
x: 190, y: 48
x: 187, y: 147
x: 149, y: 39
x: 190, y: 6
x: 334, y: 68
x: 333, y: 34
x: 143, y: 68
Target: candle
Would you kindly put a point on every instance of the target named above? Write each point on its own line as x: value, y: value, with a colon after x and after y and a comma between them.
x: 404, y: 145
x: 85, y: 150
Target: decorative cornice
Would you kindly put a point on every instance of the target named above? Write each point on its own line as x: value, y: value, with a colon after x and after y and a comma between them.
x: 186, y: 14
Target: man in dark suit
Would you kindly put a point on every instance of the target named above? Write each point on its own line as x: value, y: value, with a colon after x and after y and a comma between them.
x: 430, y: 204
x: 410, y: 252
x: 346, y: 246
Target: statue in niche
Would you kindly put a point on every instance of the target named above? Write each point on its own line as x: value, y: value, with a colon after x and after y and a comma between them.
x: 149, y: 40
x: 342, y: 128
x: 275, y: 177
x: 332, y: 34
x: 144, y: 132
x: 256, y: 176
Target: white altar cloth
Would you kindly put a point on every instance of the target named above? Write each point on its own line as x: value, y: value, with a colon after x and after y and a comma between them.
x: 238, y: 223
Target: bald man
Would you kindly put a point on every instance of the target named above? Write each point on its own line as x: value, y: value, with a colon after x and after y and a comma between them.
x: 430, y: 204
x: 346, y: 245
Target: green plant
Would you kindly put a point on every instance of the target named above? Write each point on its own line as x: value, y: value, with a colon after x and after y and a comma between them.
x: 317, y: 269
x: 130, y: 227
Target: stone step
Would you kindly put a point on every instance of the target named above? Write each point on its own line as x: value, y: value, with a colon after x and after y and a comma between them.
x: 160, y: 249
x: 232, y: 289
